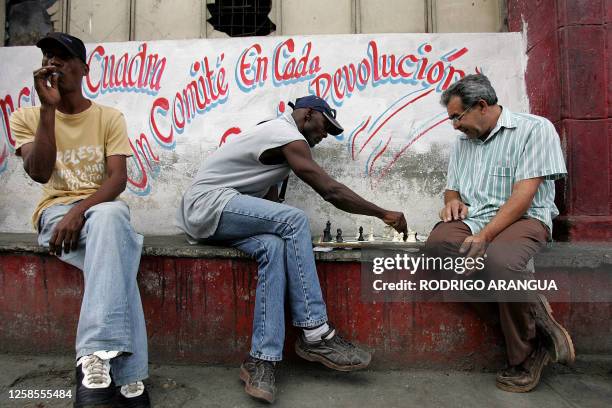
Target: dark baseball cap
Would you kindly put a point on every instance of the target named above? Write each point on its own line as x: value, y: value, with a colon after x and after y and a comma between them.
x: 318, y: 104
x: 73, y: 45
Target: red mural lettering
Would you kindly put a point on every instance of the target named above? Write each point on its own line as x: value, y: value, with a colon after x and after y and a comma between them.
x: 228, y: 132
x: 141, y: 72
x: 251, y: 71
x: 7, y: 107
x: 293, y: 68
x: 160, y: 105
x: 145, y: 162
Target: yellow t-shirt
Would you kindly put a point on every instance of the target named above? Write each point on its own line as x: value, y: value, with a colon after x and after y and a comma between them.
x: 83, y: 142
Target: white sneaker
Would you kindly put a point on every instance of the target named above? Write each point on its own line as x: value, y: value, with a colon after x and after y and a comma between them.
x: 132, y: 390
x: 96, y: 371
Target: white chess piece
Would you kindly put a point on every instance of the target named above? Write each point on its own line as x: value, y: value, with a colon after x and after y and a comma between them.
x: 371, y: 235
x: 411, y: 236
x: 389, y: 233
x: 397, y: 237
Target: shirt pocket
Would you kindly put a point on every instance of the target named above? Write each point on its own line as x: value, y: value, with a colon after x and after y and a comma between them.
x: 502, y: 171
x: 500, y: 183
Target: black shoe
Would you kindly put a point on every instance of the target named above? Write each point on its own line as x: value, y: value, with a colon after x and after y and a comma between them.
x: 95, y: 388
x: 258, y: 377
x: 139, y: 400
x: 333, y: 351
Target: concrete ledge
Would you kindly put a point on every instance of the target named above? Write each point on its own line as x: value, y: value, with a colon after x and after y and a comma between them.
x: 559, y: 254
x: 174, y: 246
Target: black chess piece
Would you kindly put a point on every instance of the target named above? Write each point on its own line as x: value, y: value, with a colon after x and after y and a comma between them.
x: 327, y: 237
x: 361, y: 238
x: 339, y: 236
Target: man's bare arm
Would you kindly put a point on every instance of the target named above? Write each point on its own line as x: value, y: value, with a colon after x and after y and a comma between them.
x: 450, y: 195
x: 301, y: 162
x: 517, y: 205
x: 66, y: 233
x: 39, y: 156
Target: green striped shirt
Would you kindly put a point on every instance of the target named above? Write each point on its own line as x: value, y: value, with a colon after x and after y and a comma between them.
x: 520, y: 146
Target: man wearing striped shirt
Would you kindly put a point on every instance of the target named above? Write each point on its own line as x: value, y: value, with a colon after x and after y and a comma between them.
x: 499, y: 204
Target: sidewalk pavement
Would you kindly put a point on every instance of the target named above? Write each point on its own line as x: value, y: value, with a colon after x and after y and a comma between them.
x: 586, y: 384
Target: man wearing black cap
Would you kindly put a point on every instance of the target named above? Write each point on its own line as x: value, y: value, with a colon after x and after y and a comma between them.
x: 77, y: 149
x: 232, y: 201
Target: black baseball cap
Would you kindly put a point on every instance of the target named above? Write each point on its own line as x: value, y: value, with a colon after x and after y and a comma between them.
x: 318, y: 104
x: 73, y: 45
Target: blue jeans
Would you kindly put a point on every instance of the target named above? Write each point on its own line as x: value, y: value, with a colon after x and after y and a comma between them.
x: 111, y: 311
x: 278, y: 237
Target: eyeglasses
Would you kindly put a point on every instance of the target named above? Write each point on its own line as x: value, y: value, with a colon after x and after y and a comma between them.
x: 457, y: 118
x: 332, y: 112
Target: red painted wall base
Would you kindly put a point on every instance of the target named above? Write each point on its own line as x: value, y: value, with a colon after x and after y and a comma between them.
x: 200, y: 311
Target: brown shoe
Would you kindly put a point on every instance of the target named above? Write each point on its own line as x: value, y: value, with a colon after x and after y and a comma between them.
x: 554, y: 336
x: 526, y: 376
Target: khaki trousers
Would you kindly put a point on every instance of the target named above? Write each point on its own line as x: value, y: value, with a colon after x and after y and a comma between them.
x: 507, y: 257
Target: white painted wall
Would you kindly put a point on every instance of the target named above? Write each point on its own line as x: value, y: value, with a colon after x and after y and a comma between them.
x: 317, y: 17
x: 409, y: 175
x: 169, y: 20
x: 467, y: 16
x: 100, y: 20
x: 392, y: 16
x: 412, y: 187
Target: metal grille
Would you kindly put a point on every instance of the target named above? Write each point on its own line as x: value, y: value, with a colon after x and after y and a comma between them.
x: 240, y: 18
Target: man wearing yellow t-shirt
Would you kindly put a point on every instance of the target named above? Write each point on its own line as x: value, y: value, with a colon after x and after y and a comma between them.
x: 77, y: 149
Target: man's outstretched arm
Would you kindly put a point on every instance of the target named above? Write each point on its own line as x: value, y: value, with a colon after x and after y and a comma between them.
x: 340, y: 196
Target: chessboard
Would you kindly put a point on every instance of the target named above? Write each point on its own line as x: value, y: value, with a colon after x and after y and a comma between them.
x: 379, y: 242
x: 389, y: 239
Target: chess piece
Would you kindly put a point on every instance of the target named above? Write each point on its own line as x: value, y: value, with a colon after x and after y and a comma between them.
x: 411, y: 236
x: 371, y: 235
x: 397, y: 236
x: 339, y: 236
x: 360, y: 237
x: 327, y: 237
x: 389, y: 233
